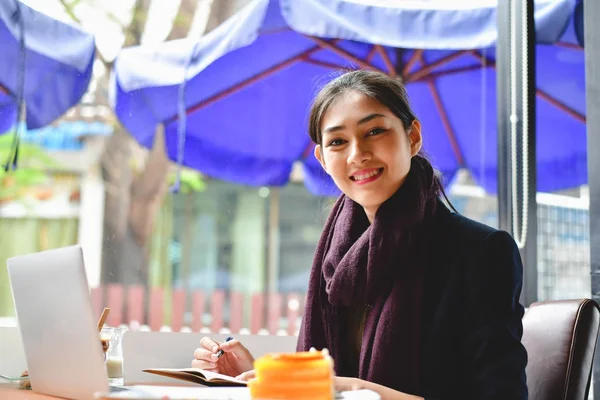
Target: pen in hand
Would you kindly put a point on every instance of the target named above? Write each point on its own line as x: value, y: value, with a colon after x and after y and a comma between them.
x: 221, y: 352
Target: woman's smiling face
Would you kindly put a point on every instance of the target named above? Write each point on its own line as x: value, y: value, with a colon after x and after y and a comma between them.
x: 365, y: 149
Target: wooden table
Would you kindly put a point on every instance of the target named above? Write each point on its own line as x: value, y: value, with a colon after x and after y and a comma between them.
x: 10, y: 391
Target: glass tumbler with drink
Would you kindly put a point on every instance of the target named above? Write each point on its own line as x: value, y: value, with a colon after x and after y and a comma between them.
x: 113, y: 355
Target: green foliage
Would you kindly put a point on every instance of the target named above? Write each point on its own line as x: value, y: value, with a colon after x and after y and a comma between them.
x: 190, y: 181
x: 33, y: 162
x: 13, y: 183
x: 29, y: 154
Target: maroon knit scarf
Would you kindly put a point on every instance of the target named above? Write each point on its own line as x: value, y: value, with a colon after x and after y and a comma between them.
x: 380, y: 265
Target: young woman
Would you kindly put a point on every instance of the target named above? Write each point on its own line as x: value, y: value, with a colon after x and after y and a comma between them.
x: 412, y: 300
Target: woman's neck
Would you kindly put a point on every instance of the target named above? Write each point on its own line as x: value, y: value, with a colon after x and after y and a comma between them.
x: 370, y: 213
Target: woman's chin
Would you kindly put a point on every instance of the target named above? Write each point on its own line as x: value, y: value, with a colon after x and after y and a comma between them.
x: 369, y: 203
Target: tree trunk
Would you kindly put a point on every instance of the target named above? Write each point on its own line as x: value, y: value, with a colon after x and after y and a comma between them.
x: 117, y: 176
x: 221, y: 10
x: 183, y: 20
x: 132, y: 202
x: 130, y: 208
x: 122, y: 258
x: 135, y: 30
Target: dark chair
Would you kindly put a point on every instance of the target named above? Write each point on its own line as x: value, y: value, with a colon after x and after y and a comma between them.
x: 560, y: 338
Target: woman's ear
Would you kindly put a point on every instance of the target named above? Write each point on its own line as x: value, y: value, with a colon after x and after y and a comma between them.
x: 319, y: 156
x: 416, y: 140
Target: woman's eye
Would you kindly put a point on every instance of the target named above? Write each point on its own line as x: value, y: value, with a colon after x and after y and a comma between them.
x: 375, y: 131
x: 336, y: 142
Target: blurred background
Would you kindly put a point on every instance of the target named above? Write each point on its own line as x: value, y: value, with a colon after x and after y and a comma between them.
x: 168, y: 138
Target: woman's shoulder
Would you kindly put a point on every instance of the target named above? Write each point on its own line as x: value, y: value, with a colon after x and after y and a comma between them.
x: 476, y: 251
x: 457, y: 231
x: 459, y: 226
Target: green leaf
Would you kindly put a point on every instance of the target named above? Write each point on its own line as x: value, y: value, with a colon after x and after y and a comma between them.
x: 29, y: 154
x: 31, y: 171
x: 190, y: 181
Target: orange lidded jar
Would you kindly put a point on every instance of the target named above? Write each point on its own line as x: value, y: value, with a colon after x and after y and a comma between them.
x: 293, y: 376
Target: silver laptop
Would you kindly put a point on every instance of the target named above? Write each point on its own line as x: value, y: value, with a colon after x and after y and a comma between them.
x: 59, y: 333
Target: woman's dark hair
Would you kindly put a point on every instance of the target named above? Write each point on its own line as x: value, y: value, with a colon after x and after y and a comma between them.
x: 388, y: 91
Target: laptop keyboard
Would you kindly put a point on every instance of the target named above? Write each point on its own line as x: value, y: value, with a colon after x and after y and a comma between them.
x: 117, y: 389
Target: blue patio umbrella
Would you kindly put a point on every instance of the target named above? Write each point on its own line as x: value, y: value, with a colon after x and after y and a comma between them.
x: 52, y: 59
x: 8, y: 113
x: 249, y: 83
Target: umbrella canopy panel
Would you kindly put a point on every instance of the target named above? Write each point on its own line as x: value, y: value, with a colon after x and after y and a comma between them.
x: 249, y: 84
x: 58, y: 62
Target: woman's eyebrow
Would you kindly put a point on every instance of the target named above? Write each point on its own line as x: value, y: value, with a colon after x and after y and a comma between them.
x: 369, y: 118
x: 362, y: 121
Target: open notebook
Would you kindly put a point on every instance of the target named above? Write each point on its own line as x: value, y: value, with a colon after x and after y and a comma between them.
x: 196, y: 375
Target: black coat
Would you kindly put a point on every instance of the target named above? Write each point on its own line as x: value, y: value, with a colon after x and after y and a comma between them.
x: 472, y: 328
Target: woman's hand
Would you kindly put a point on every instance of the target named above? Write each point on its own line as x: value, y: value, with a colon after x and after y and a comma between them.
x: 343, y: 384
x: 236, y: 359
x: 246, y: 376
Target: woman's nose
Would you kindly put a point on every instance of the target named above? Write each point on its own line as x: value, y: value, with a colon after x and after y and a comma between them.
x: 359, y: 153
